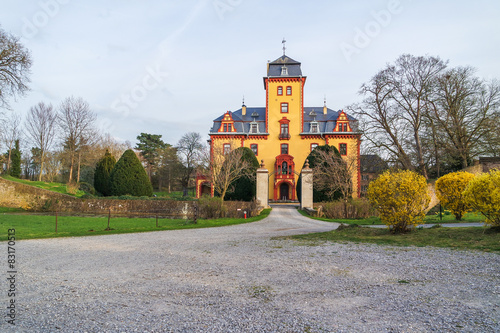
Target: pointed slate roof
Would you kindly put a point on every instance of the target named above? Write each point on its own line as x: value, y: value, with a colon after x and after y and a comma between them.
x: 292, y: 66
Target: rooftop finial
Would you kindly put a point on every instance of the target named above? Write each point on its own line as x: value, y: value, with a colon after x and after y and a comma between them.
x: 243, y: 102
x: 284, y: 47
x: 324, y: 101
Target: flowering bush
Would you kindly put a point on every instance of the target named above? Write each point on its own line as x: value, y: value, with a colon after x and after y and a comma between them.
x: 449, y: 189
x: 401, y: 198
x: 483, y: 193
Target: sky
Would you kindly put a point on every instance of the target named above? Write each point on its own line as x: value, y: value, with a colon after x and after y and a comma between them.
x: 171, y: 67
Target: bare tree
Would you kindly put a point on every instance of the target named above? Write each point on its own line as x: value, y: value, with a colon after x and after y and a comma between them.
x: 41, y: 129
x: 15, y: 63
x: 189, y: 149
x: 225, y: 168
x: 332, y: 173
x: 53, y: 165
x: 77, y: 124
x: 465, y: 111
x: 11, y: 132
x: 395, y: 105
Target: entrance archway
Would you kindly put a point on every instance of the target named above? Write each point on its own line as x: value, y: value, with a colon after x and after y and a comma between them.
x: 284, y: 191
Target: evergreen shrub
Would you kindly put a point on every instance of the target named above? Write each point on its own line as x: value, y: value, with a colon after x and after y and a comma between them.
x: 128, y: 177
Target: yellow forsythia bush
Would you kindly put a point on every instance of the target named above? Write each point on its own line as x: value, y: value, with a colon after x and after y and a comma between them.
x: 483, y: 193
x: 401, y: 198
x: 449, y: 189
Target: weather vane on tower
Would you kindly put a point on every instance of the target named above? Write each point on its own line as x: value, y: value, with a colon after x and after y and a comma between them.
x: 284, y: 47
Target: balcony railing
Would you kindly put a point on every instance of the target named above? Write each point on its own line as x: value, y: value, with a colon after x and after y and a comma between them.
x: 284, y: 136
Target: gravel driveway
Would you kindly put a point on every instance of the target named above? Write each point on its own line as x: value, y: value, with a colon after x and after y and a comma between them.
x: 237, y: 279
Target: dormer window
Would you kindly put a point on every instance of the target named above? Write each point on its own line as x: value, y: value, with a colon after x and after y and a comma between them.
x: 284, y: 70
x: 229, y: 127
x: 314, y: 127
x: 254, y: 128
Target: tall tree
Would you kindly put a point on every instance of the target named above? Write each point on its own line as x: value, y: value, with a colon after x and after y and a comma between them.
x: 77, y: 124
x: 10, y: 134
x: 15, y: 170
x: 189, y: 149
x: 15, y: 64
x: 331, y: 174
x: 102, y: 174
x: 244, y: 187
x: 168, y: 167
x: 395, y: 104
x: 226, y: 168
x: 41, y: 130
x: 149, y: 145
x: 465, y: 110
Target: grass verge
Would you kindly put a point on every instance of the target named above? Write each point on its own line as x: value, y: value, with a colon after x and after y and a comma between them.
x: 56, y: 187
x: 429, y: 219
x: 43, y: 226
x: 474, y: 238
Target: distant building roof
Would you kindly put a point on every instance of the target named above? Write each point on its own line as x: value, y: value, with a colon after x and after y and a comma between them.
x: 372, y: 164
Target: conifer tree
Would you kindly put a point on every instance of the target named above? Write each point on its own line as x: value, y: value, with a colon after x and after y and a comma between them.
x: 128, y: 177
x: 102, y: 173
x: 15, y: 169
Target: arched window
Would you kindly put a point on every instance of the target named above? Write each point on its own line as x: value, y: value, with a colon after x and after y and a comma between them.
x: 288, y: 90
x: 280, y: 90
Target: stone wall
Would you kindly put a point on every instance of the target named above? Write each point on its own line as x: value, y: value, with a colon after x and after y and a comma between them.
x: 14, y: 194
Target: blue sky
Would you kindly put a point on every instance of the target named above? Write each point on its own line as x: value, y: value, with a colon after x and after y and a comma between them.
x: 171, y: 67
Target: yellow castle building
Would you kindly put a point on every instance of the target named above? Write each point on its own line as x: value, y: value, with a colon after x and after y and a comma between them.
x: 284, y: 132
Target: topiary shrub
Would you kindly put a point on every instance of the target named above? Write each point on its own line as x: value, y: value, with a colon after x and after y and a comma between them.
x: 449, y: 190
x: 102, y: 174
x: 244, y: 188
x: 483, y: 194
x: 128, y: 177
x: 401, y: 198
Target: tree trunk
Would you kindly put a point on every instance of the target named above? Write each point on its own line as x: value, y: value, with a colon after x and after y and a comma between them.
x: 8, y: 159
x: 78, y: 172
x: 41, y: 166
x: 71, y: 162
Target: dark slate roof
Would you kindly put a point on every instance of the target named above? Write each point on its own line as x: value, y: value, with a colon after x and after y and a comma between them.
x: 293, y: 67
x: 372, y: 164
x: 326, y: 122
x: 242, y: 123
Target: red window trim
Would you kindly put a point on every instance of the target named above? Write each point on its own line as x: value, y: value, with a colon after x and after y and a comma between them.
x: 343, y: 143
x: 311, y: 146
x: 281, y: 108
x: 256, y: 148
x: 289, y: 94
x: 278, y: 90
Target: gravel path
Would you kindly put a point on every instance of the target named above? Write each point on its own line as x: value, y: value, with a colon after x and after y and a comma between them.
x: 238, y: 279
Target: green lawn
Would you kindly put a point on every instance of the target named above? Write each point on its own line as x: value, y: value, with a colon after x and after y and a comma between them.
x: 29, y: 226
x: 429, y: 219
x: 56, y: 187
x: 477, y: 238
